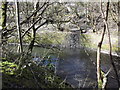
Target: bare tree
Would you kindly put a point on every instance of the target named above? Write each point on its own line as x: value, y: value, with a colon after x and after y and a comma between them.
x: 36, y: 6
x: 99, y: 77
x: 18, y: 25
x: 118, y: 28
x: 110, y: 53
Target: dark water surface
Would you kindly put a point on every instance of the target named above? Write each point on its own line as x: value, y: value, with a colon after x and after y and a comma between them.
x: 78, y: 66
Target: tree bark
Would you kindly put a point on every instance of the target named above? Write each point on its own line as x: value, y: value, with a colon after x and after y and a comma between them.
x: 36, y: 6
x: 118, y: 28
x: 4, y: 33
x: 18, y: 26
x: 110, y: 51
x: 99, y: 78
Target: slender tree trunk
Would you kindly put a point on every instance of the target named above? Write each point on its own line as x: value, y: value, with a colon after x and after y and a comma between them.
x: 18, y: 26
x: 111, y: 58
x: 110, y: 48
x: 118, y: 28
x: 110, y: 53
x: 36, y: 6
x: 99, y: 78
x: 87, y: 6
x: 4, y: 34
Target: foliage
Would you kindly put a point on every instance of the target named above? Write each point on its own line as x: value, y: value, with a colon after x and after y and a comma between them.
x: 33, y: 77
x: 13, y: 40
x: 49, y: 62
x: 58, y: 13
x: 91, y: 42
x: 50, y: 38
x: 30, y: 75
x: 86, y: 16
x: 85, y: 39
x: 7, y: 67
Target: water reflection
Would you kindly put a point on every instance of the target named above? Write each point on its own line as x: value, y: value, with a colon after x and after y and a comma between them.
x: 79, y: 66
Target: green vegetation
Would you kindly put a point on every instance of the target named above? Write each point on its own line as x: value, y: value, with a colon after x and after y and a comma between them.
x: 85, y: 39
x: 50, y: 38
x: 89, y: 41
x: 44, y: 38
x: 54, y: 38
x: 29, y: 24
x: 7, y: 67
x: 33, y: 77
x: 30, y: 76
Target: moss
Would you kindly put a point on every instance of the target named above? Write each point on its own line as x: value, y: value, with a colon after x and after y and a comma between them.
x: 7, y: 67
x: 33, y: 77
x: 100, y: 84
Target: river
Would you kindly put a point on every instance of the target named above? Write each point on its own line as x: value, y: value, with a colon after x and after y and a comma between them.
x: 77, y: 66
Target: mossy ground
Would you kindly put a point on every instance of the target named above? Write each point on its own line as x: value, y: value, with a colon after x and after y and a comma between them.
x: 32, y: 77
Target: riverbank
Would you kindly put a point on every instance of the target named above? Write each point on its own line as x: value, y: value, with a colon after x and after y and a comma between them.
x: 57, y: 39
x: 32, y: 76
x: 91, y: 40
x: 60, y: 47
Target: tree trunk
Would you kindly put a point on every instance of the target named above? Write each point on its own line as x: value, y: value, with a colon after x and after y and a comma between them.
x: 4, y: 34
x: 36, y: 6
x: 99, y: 78
x: 18, y: 26
x: 110, y: 48
x: 118, y: 28
x: 110, y: 53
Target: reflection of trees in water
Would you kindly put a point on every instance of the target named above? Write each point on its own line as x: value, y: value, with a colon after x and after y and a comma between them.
x: 72, y: 40
x: 85, y: 82
x: 77, y: 66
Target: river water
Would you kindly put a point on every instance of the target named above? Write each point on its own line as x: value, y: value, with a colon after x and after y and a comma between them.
x: 77, y: 66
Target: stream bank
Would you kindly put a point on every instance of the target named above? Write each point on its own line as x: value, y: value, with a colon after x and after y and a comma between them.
x: 57, y: 39
x: 30, y: 75
x: 90, y: 41
x: 33, y: 77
